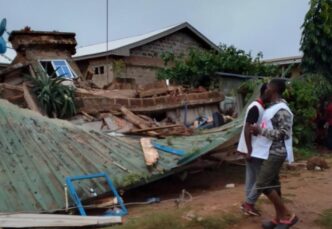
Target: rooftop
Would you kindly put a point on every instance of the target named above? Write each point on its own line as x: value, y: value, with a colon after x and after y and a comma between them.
x: 122, y: 46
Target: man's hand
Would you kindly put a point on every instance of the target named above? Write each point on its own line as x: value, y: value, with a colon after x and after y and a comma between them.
x: 248, y: 155
x: 255, y: 129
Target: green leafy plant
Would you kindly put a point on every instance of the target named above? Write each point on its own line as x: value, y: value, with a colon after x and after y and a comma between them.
x: 304, y: 95
x: 199, y: 66
x: 56, y: 99
x: 317, y: 39
x: 325, y: 219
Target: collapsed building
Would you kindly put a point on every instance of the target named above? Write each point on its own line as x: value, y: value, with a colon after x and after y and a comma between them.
x: 40, y: 153
x: 51, y: 53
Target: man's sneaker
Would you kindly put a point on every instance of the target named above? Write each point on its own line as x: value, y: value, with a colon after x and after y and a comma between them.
x: 249, y: 209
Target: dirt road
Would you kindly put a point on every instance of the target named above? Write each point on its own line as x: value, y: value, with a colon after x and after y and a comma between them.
x: 308, y: 193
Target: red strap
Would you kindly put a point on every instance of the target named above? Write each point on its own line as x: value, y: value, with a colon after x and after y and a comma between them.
x: 260, y: 101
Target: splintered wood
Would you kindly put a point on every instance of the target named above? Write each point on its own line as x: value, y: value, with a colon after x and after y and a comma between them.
x: 150, y: 153
x: 150, y: 128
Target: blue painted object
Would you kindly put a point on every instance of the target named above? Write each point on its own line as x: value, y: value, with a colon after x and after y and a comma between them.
x: 69, y: 181
x: 167, y: 149
x: 3, y: 47
x: 3, y: 24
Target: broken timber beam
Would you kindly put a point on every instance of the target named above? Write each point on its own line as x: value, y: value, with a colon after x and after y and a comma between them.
x: 150, y: 153
x: 155, y: 128
x: 30, y: 100
x: 138, y: 121
x: 52, y: 220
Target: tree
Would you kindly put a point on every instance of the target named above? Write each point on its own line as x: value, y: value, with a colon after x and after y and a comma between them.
x: 316, y: 41
x: 199, y: 66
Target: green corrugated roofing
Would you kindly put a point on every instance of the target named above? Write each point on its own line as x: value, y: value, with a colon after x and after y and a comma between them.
x: 37, y: 153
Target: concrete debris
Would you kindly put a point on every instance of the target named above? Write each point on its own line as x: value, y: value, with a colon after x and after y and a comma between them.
x: 230, y: 186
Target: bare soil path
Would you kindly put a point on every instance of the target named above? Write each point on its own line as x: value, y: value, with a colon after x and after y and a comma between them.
x: 308, y: 193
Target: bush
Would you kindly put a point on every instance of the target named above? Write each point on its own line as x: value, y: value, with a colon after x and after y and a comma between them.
x: 56, y: 99
x: 199, y: 67
x: 304, y: 96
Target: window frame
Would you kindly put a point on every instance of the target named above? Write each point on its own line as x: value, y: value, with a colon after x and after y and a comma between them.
x: 73, y: 74
x: 98, y: 67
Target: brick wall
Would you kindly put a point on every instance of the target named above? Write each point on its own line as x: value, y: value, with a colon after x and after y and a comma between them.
x: 144, y: 61
x: 179, y: 43
x: 100, y: 80
x: 142, y: 75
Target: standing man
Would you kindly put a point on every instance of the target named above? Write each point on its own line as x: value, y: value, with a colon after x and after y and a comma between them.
x: 254, y: 115
x: 274, y: 145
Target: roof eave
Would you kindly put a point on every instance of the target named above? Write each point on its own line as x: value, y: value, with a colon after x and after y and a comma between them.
x: 125, y: 50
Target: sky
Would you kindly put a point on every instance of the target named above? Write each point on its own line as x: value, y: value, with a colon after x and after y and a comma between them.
x: 269, y: 26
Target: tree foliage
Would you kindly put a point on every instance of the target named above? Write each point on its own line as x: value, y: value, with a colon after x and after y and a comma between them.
x: 316, y: 41
x: 199, y: 66
x: 304, y: 96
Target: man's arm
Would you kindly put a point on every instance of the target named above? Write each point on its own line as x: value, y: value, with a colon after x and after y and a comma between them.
x: 252, y: 117
x: 283, y: 128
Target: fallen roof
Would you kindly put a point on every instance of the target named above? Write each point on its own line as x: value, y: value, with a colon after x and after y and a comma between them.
x: 123, y: 46
x: 37, y: 153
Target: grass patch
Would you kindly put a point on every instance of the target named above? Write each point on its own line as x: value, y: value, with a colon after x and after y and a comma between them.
x: 325, y: 220
x: 175, y: 220
x: 302, y: 153
x: 214, y: 222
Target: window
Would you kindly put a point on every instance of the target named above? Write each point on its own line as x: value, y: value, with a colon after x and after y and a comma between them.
x: 61, y: 68
x: 99, y: 70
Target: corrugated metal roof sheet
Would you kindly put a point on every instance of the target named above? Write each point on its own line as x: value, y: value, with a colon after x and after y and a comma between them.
x: 37, y: 153
x: 113, y: 46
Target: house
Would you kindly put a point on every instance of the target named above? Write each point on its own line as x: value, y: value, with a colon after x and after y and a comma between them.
x: 137, y: 59
x: 39, y: 50
x: 6, y: 59
x: 288, y: 65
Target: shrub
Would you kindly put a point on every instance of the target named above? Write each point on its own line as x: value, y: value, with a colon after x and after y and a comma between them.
x: 304, y: 96
x: 199, y: 66
x: 56, y: 99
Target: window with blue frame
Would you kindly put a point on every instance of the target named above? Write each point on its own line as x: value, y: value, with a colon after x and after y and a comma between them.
x: 58, y: 68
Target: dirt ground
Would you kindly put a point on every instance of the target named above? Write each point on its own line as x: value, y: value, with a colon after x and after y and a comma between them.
x: 308, y: 193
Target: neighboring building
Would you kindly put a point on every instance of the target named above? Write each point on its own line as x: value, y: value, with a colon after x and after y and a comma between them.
x: 136, y: 59
x: 40, y: 50
x: 6, y: 59
x: 229, y: 84
x: 290, y: 64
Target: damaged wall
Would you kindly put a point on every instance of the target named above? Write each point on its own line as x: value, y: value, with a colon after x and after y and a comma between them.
x: 33, y: 46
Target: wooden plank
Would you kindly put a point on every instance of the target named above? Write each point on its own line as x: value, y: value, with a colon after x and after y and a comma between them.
x: 29, y: 99
x: 53, y: 220
x: 136, y: 120
x: 131, y: 117
x: 155, y: 128
x: 150, y: 153
x: 153, y: 92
